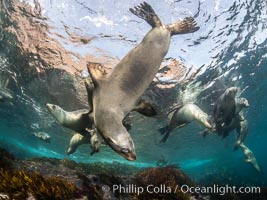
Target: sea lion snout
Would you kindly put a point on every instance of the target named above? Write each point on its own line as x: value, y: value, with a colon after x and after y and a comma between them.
x: 125, y: 147
x: 50, y: 106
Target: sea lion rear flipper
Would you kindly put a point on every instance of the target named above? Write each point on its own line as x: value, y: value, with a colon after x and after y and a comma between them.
x: 187, y: 25
x: 165, y: 137
x: 166, y: 132
x: 146, y: 12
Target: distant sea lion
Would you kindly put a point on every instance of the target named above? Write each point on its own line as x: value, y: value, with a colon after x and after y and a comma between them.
x: 182, y: 116
x: 116, y: 95
x: 5, y: 93
x: 242, y: 132
x: 79, y: 139
x: 236, y: 120
x: 42, y: 135
x: 250, y: 158
x: 224, y: 109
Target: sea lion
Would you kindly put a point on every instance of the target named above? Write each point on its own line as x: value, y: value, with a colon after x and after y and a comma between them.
x: 224, y: 109
x: 250, y: 158
x: 115, y: 95
x: 242, y: 132
x: 79, y: 139
x: 5, y: 93
x: 182, y: 116
x: 237, y: 122
x: 77, y: 120
x: 43, y: 136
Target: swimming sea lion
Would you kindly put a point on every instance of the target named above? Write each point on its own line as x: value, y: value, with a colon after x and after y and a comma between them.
x: 5, y: 94
x: 224, y: 109
x: 77, y: 120
x: 250, y: 158
x: 242, y: 132
x: 182, y: 116
x: 116, y: 95
x: 43, y: 136
x: 237, y: 122
x: 79, y: 139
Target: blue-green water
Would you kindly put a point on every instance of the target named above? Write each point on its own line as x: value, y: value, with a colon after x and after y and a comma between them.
x: 231, y: 48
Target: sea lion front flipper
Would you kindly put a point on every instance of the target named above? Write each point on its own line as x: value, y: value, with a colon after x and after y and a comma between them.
x: 89, y: 85
x: 126, y: 122
x: 146, y: 12
x: 187, y: 25
x: 145, y: 108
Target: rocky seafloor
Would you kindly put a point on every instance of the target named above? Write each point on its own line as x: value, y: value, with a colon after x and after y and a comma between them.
x: 50, y: 178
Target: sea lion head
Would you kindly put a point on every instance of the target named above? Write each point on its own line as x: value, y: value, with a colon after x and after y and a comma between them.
x: 244, y: 102
x: 123, y: 145
x: 231, y: 92
x: 54, y: 109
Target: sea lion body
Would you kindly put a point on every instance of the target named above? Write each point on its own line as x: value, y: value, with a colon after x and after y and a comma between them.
x: 78, y: 139
x: 5, y: 94
x: 77, y: 120
x: 224, y: 109
x: 185, y: 114
x: 250, y: 158
x: 242, y: 132
x: 81, y: 122
x: 43, y: 136
x: 116, y: 95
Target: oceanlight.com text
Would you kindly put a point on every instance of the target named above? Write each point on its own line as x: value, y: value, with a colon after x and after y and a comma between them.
x: 221, y: 190
x: 163, y: 189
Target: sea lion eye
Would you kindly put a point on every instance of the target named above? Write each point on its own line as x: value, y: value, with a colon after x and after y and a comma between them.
x: 54, y: 107
x: 124, y: 150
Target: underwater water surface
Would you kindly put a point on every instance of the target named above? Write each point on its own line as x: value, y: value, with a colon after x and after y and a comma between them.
x: 230, y: 49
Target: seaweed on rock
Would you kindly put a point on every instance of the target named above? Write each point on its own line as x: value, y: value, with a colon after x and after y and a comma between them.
x: 19, y: 184
x: 169, y: 177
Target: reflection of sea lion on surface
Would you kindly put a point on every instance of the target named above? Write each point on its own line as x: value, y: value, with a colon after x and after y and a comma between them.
x: 115, y: 95
x: 250, y: 158
x: 182, y: 116
x: 42, y: 135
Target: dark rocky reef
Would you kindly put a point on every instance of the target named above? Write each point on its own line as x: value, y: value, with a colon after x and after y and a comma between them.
x: 50, y: 178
